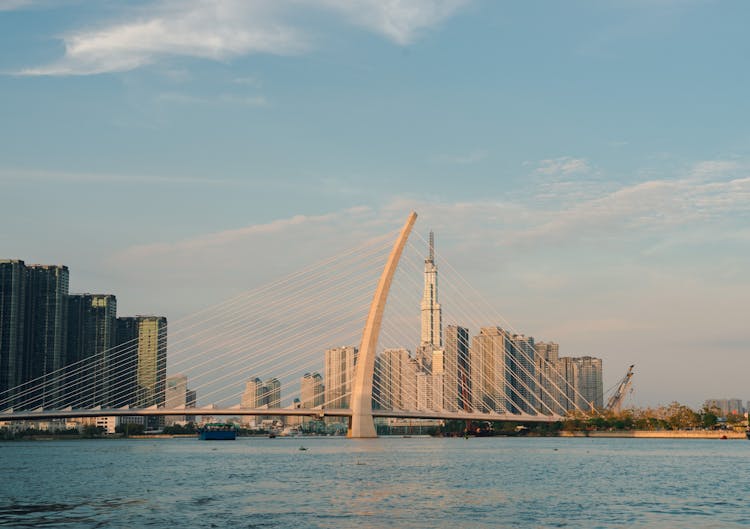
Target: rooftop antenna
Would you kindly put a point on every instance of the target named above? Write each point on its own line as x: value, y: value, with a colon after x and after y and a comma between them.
x: 432, y: 246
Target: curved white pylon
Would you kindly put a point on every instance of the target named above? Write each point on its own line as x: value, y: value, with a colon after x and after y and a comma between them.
x: 362, y: 425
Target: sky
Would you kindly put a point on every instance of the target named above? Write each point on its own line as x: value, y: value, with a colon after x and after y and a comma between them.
x: 585, y: 164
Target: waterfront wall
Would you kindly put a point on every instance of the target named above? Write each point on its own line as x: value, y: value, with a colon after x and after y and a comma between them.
x: 662, y: 434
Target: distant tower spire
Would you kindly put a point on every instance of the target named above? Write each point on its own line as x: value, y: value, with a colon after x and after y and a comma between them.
x: 432, y: 324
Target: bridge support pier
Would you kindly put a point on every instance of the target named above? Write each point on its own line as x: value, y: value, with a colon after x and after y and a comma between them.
x: 362, y: 425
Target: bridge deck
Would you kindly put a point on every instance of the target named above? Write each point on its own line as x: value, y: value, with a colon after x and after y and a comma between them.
x: 12, y: 415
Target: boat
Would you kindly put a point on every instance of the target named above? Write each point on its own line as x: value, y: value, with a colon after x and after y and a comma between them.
x: 217, y: 431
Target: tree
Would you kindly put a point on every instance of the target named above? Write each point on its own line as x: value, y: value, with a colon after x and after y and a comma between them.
x: 129, y: 428
x: 90, y: 431
x: 708, y: 417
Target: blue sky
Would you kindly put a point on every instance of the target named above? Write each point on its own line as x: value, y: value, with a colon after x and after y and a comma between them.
x: 585, y: 163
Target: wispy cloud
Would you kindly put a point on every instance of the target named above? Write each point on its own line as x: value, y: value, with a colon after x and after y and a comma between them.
x: 11, y: 175
x: 504, y: 230
x: 563, y: 166
x: 713, y: 168
x: 224, y: 29
x: 598, y: 213
x: 230, y: 252
x: 11, y: 5
x: 233, y: 99
x: 401, y: 21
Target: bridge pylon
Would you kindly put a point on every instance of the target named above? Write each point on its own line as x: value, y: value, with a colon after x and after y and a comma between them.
x: 361, y: 424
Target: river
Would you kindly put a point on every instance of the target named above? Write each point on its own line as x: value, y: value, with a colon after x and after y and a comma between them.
x: 381, y: 483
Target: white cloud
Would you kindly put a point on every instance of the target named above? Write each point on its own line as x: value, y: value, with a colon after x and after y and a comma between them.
x: 399, y: 20
x: 563, y: 166
x: 224, y: 29
x: 211, y: 30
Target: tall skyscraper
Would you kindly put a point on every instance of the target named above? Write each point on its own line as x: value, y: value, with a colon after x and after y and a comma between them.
x: 12, y: 323
x: 522, y: 374
x: 311, y: 390
x: 273, y: 392
x: 45, y: 329
x: 339, y: 373
x: 550, y: 382
x: 124, y: 372
x: 151, y: 370
x: 253, y: 397
x: 397, y: 380
x: 567, y: 368
x: 589, y: 382
x: 488, y: 365
x: 424, y: 392
x: 457, y: 381
x: 432, y: 322
x: 92, y: 336
x: 549, y: 351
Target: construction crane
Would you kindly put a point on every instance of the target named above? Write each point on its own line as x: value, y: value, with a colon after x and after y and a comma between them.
x: 615, y: 401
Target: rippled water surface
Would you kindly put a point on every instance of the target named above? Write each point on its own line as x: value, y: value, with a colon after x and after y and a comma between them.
x: 386, y: 482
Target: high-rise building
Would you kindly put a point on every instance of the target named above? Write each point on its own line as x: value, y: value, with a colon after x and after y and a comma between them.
x: 549, y: 351
x: 550, y: 382
x: 45, y: 330
x: 90, y: 355
x: 177, y: 395
x: 424, y: 391
x: 124, y: 371
x: 522, y: 374
x: 568, y: 368
x: 725, y: 406
x: 396, y: 371
x: 12, y: 324
x: 339, y: 373
x: 488, y: 354
x: 253, y: 397
x: 273, y: 392
x: 588, y: 382
x: 439, y: 397
x: 735, y: 406
x: 311, y: 390
x: 151, y: 370
x: 432, y: 322
x: 457, y: 381
x: 192, y: 400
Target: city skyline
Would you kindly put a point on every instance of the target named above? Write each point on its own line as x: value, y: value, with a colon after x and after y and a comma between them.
x: 591, y: 176
x: 110, y: 361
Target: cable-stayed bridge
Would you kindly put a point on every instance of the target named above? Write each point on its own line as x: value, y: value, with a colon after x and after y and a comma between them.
x: 318, y: 343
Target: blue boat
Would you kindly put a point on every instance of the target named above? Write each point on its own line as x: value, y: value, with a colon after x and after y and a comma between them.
x: 217, y: 431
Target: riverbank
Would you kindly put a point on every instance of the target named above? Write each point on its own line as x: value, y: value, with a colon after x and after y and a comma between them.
x: 660, y: 434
